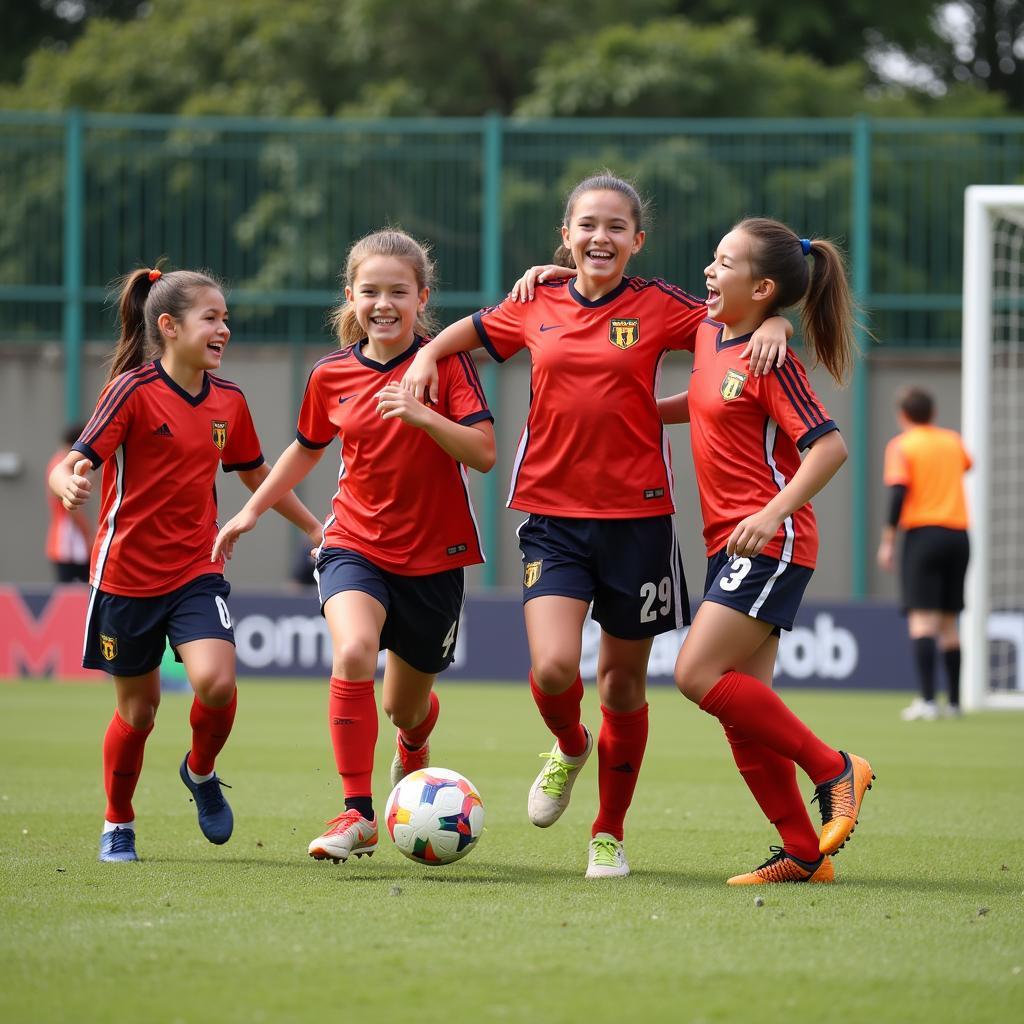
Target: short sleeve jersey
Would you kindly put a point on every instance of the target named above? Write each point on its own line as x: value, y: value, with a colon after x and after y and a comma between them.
x: 930, y: 462
x: 747, y: 433
x: 402, y: 501
x: 160, y: 448
x: 593, y: 445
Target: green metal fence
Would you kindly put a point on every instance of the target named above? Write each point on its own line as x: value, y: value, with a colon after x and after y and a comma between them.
x: 272, y: 205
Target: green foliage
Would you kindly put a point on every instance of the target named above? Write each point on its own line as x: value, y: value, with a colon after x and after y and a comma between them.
x: 468, y: 57
x: 673, y: 68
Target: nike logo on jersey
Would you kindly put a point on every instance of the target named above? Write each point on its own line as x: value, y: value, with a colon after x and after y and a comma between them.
x: 163, y: 431
x: 347, y: 398
x: 550, y: 327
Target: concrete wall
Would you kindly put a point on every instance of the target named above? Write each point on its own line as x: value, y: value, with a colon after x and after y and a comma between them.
x: 32, y: 418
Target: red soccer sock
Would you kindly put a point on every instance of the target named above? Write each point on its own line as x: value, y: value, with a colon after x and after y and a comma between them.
x: 414, y: 738
x: 771, y: 778
x: 561, y: 713
x: 352, y: 712
x: 758, y: 712
x: 211, y: 728
x: 123, y: 747
x: 620, y: 752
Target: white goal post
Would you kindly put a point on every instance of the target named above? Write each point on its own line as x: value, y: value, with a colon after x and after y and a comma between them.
x: 993, y: 430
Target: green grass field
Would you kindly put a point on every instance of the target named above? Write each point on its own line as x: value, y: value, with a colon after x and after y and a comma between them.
x: 926, y: 922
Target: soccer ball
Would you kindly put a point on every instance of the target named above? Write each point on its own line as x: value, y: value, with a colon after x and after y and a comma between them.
x: 435, y: 816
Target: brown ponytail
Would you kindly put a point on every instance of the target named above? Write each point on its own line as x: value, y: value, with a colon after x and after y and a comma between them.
x: 826, y: 317
x: 387, y: 242
x: 144, y: 296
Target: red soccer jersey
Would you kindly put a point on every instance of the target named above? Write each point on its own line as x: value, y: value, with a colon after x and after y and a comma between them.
x: 402, y: 501
x: 747, y: 434
x: 160, y: 448
x: 594, y: 445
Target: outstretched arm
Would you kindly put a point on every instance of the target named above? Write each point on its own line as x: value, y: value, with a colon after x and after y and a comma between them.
x: 292, y: 468
x: 421, y: 377
x: 675, y: 408
x: 289, y: 506
x: 820, y: 464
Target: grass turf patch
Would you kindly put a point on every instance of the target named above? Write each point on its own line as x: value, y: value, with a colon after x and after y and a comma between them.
x: 924, y: 923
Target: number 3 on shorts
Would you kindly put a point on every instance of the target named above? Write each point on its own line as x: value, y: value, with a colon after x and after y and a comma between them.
x: 740, y: 568
x: 222, y: 611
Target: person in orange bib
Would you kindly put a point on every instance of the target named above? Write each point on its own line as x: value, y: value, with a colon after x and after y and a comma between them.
x: 924, y: 471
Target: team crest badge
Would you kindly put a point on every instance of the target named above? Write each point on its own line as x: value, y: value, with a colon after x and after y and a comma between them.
x: 732, y: 385
x: 532, y: 573
x: 108, y: 646
x: 220, y: 433
x: 624, y: 333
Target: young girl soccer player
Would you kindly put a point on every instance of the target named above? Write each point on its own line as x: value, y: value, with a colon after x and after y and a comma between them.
x: 747, y: 434
x: 161, y: 428
x: 593, y: 472
x: 402, y: 528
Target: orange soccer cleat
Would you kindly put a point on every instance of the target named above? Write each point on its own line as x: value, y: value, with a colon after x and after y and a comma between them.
x: 839, y: 801
x: 784, y: 867
x: 349, y: 833
x: 407, y: 761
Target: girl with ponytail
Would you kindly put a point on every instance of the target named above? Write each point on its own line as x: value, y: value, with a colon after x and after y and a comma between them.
x: 747, y: 434
x: 163, y: 425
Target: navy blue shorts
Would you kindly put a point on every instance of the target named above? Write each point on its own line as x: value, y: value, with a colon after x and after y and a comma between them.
x: 630, y: 568
x: 761, y: 587
x: 422, y: 624
x: 126, y: 636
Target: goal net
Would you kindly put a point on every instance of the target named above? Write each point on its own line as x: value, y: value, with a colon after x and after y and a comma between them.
x: 993, y: 431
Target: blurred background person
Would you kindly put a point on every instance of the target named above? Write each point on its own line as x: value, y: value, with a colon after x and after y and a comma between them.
x: 70, y: 534
x: 924, y: 471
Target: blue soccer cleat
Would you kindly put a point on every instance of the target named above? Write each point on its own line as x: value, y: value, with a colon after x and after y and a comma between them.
x: 118, y: 845
x: 216, y: 821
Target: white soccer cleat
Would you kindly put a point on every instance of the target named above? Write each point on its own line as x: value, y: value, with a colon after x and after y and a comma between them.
x: 606, y: 858
x: 347, y: 834
x: 550, y: 792
x: 920, y: 711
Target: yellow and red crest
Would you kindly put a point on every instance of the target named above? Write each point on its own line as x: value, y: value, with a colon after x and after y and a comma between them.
x: 220, y: 433
x: 108, y: 646
x: 532, y: 573
x: 732, y: 385
x: 624, y: 333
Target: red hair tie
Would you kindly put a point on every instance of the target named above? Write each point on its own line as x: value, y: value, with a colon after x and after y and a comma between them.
x: 154, y: 274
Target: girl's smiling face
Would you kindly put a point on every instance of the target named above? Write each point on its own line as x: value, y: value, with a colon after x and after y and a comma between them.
x: 733, y: 292
x: 387, y: 301
x: 602, y: 236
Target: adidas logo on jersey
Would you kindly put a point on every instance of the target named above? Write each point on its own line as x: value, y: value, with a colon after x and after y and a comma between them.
x: 163, y: 431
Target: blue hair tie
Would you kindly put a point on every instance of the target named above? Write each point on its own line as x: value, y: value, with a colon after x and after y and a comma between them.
x: 805, y: 245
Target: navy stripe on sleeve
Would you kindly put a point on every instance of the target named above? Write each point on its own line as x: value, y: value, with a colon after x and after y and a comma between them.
x: 800, y: 393
x: 801, y: 384
x: 472, y: 377
x: 119, y: 387
x: 481, y: 331
x: 81, y: 446
x: 676, y: 293
x: 476, y: 417
x: 812, y: 435
x: 786, y: 387
x: 307, y: 443
x: 241, y: 467
x: 97, y: 431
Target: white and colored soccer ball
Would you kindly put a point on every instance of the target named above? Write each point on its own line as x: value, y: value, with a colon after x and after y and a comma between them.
x: 435, y: 816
